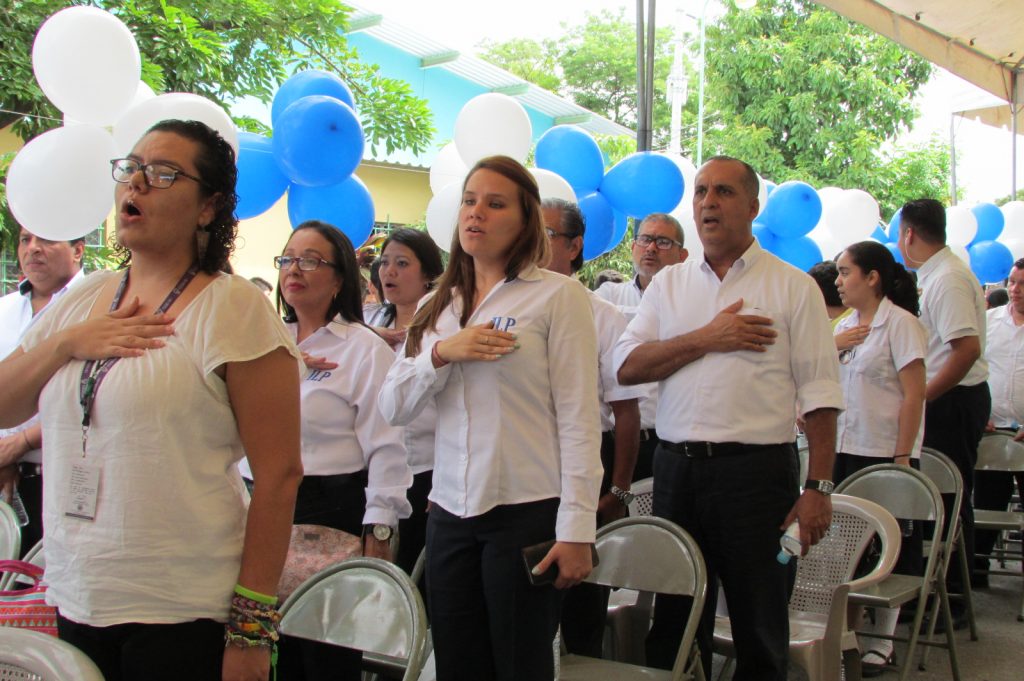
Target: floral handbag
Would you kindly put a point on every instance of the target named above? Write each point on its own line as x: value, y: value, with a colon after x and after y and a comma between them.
x: 26, y: 607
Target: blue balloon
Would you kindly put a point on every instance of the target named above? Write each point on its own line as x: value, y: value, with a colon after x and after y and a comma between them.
x: 990, y: 222
x: 769, y: 187
x: 600, y: 220
x: 306, y: 84
x: 572, y: 153
x: 880, y: 235
x: 348, y: 206
x: 643, y: 183
x: 990, y: 261
x: 800, y: 252
x: 765, y: 236
x: 619, y: 232
x: 318, y: 141
x: 792, y: 210
x: 895, y: 250
x: 894, y: 226
x: 260, y: 181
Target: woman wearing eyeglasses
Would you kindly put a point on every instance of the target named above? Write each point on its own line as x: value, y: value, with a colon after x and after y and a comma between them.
x: 356, y: 472
x: 149, y: 383
x: 883, y: 379
x: 508, y: 354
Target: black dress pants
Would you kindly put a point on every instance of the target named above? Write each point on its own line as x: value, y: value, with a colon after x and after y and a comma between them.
x: 488, y: 622
x: 733, y: 506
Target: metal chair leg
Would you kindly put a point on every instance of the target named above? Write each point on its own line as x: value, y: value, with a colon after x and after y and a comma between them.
x: 967, y: 595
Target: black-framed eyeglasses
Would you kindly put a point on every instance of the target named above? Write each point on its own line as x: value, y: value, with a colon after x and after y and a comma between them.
x: 552, y: 234
x: 158, y: 175
x: 847, y: 355
x: 283, y: 262
x: 662, y: 242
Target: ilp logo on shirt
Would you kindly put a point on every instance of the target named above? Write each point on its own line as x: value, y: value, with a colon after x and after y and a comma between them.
x: 503, y: 323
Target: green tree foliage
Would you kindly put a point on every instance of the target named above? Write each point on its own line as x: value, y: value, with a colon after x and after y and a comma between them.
x: 802, y: 93
x: 223, y: 50
x: 533, y: 61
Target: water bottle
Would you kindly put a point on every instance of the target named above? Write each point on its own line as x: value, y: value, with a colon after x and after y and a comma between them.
x: 19, y: 509
x: 789, y: 544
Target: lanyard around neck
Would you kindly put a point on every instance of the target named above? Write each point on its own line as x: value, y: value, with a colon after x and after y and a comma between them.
x: 94, y: 371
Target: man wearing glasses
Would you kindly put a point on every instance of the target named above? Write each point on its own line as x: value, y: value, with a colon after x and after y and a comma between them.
x: 49, y: 269
x: 658, y: 243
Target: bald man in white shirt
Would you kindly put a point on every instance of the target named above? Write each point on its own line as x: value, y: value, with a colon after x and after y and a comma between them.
x: 740, y: 344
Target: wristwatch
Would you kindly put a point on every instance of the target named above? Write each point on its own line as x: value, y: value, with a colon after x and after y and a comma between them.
x: 382, y: 532
x: 623, y: 495
x: 823, y: 486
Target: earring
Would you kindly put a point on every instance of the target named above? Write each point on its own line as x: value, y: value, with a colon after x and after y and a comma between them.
x: 202, y: 241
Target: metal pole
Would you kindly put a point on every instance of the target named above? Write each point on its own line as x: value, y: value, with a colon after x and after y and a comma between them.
x: 952, y: 158
x: 1014, y: 108
x: 641, y: 73
x: 649, y: 105
x: 700, y: 92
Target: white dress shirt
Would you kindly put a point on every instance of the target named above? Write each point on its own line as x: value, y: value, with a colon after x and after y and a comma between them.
x: 15, y: 319
x: 741, y: 396
x: 610, y: 324
x: 343, y: 431
x: 626, y: 295
x: 1004, y: 350
x: 869, y: 374
x: 952, y: 306
x: 522, y: 428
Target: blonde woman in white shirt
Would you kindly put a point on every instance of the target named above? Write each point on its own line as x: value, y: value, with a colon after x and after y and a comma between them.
x: 508, y: 353
x: 883, y: 379
x: 356, y: 472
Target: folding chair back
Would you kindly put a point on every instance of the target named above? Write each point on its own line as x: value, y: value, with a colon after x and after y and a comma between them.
x: 31, y: 656
x: 362, y: 603
x: 643, y: 497
x: 10, y: 533
x: 1000, y: 452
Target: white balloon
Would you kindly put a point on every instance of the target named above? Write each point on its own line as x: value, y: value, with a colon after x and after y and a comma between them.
x: 1015, y: 244
x: 826, y: 240
x: 961, y: 226
x: 493, y: 124
x: 87, y: 63
x: 552, y: 185
x: 961, y: 252
x: 72, y: 161
x: 853, y: 215
x: 689, y: 172
x: 443, y: 215
x: 1013, y: 213
x: 762, y: 194
x: 448, y: 167
x: 180, y: 105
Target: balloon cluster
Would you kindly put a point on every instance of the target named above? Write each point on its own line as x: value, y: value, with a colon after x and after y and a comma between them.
x: 86, y: 61
x: 316, y: 146
x: 570, y: 166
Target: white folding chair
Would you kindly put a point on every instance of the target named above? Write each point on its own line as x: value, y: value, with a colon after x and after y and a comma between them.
x: 819, y: 637
x: 911, y: 495
x: 998, y: 451
x: 10, y: 533
x: 671, y: 563
x: 31, y: 656
x: 363, y: 603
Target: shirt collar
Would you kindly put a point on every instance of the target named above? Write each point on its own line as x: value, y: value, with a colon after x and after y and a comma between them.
x: 883, y: 312
x: 529, y: 273
x: 932, y: 263
x: 336, y: 327
x: 25, y: 286
x: 745, y: 261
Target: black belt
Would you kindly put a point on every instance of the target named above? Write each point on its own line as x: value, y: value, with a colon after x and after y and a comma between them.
x: 648, y: 434
x: 711, y: 450
x: 330, y: 483
x: 29, y: 470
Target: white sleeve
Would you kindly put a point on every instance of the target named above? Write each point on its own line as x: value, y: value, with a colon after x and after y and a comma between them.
x: 644, y: 327
x: 572, y: 362
x: 907, y: 340
x: 813, y: 357
x: 410, y: 383
x: 610, y: 325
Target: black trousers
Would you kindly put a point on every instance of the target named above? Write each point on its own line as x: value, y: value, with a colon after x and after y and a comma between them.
x: 150, y: 652
x: 30, y: 487
x: 337, y: 501
x: 488, y: 622
x: 412, y: 532
x: 954, y: 424
x: 992, y: 492
x: 733, y: 506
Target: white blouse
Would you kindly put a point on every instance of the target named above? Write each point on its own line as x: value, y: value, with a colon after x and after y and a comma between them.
x: 610, y: 323
x: 166, y: 542
x: 869, y: 375
x: 343, y: 431
x: 522, y: 428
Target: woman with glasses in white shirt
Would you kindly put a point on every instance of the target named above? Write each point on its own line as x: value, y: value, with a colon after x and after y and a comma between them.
x: 508, y: 354
x: 883, y: 379
x: 356, y: 472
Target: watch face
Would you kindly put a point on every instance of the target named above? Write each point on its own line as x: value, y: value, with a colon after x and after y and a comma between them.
x: 381, y: 532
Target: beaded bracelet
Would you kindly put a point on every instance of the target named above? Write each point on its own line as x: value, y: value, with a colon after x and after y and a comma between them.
x: 436, y: 356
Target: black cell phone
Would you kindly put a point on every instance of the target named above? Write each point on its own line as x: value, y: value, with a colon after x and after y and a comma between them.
x: 532, y: 555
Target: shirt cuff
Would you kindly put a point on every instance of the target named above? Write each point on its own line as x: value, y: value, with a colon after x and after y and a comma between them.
x: 576, y: 526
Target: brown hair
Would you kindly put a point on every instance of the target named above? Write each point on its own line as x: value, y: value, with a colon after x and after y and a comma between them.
x: 531, y: 248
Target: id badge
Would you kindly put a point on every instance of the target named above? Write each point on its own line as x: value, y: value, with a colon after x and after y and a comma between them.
x: 83, y: 491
